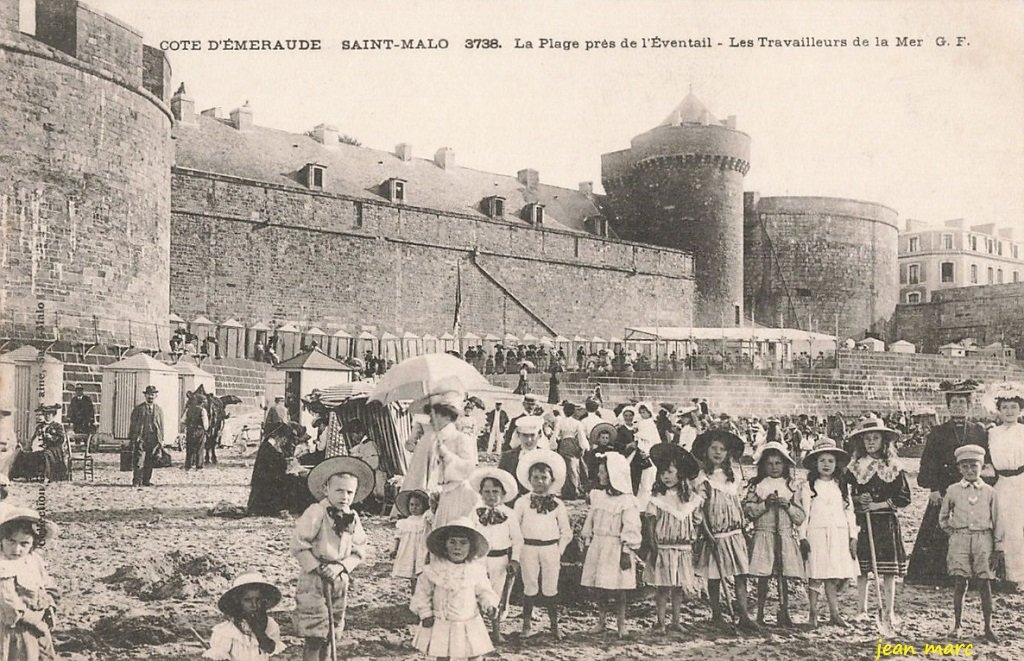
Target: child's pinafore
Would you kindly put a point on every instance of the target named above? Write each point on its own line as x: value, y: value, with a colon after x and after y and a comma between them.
x: 676, y: 528
x: 412, y: 534
x: 767, y: 521
x: 724, y: 516
x: 611, y: 528
x: 26, y: 590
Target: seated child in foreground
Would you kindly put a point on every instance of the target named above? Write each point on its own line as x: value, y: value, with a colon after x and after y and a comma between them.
x: 249, y: 634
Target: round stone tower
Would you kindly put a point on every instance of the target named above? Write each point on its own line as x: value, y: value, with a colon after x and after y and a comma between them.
x: 85, y: 178
x: 681, y: 185
x: 818, y: 262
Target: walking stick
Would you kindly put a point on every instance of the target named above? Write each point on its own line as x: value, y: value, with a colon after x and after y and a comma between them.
x: 718, y: 563
x: 783, y: 601
x: 506, y: 590
x: 329, y: 596
x: 883, y: 627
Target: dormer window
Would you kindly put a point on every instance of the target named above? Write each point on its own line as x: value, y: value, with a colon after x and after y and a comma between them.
x: 495, y: 206
x: 314, y: 175
x: 396, y: 190
x: 534, y: 214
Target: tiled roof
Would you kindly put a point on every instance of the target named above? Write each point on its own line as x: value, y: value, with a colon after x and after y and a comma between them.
x: 313, y: 359
x: 276, y: 157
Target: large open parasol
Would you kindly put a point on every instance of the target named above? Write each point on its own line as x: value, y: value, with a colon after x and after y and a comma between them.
x: 420, y: 376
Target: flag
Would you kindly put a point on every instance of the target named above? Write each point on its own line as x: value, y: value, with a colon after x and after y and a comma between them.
x: 456, y: 322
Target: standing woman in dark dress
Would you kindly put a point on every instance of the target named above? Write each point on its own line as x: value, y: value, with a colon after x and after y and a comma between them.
x: 938, y: 471
x: 554, y: 392
x: 878, y: 486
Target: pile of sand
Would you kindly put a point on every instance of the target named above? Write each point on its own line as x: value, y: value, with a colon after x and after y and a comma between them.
x: 173, y: 575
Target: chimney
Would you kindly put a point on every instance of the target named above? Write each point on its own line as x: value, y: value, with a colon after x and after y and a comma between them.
x: 183, y: 106
x: 404, y: 151
x: 326, y: 135
x: 587, y: 188
x: 445, y: 158
x: 214, y: 113
x: 528, y: 177
x: 241, y: 118
x: 730, y: 122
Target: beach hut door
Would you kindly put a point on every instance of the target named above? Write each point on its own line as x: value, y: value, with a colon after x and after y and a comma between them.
x: 24, y: 407
x: 124, y: 402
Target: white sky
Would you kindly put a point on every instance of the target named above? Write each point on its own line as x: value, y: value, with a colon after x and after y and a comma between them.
x: 933, y: 132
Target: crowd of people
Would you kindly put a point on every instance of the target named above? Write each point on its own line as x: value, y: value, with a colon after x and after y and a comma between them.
x: 664, y: 499
x: 664, y: 507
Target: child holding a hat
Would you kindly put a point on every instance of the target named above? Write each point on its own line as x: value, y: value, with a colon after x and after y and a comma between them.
x: 451, y: 593
x: 410, y: 552
x: 498, y: 524
x: 771, y: 503
x: 26, y: 590
x: 544, y: 523
x: 612, y: 534
x: 829, y: 533
x: 879, y: 487
x: 329, y: 543
x: 249, y: 634
x: 970, y: 516
x: 724, y: 555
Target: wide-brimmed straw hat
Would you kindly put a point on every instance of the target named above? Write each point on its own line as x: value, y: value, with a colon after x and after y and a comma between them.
x: 733, y: 443
x: 528, y: 460
x: 825, y: 445
x: 47, y: 408
x: 437, y: 539
x: 965, y: 387
x: 403, y: 498
x: 228, y: 603
x: 618, y: 472
x: 507, y: 481
x: 603, y: 427
x: 1000, y: 392
x: 871, y: 423
x: 662, y: 454
x: 323, y: 471
x: 777, y: 447
x: 48, y: 529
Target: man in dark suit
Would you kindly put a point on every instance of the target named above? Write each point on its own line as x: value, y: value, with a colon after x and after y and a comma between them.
x: 146, y: 434
x: 81, y: 412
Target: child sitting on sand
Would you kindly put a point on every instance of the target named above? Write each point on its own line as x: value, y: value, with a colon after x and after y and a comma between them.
x: 329, y: 543
x: 249, y: 634
x: 26, y: 589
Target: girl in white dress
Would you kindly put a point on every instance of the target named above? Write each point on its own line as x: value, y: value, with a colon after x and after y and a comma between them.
x: 612, y: 535
x: 829, y: 533
x: 1006, y: 448
x: 451, y: 594
x: 410, y: 552
x: 672, y: 524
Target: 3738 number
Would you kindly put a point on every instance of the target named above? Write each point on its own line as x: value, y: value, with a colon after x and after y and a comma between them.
x: 482, y: 43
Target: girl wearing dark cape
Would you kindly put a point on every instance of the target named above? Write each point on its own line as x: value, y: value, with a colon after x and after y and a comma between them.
x: 272, y: 488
